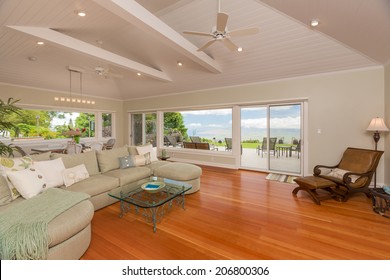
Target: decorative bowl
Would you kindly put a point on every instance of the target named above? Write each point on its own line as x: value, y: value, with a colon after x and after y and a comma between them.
x: 153, y: 187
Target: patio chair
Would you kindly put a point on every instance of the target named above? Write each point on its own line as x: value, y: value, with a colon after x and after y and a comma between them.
x: 297, y: 148
x: 189, y: 145
x: 73, y: 148
x: 263, y: 148
x: 110, y: 144
x: 172, y: 141
x: 229, y: 144
x: 353, y: 173
x: 195, y: 139
x: 97, y: 146
x: 205, y: 146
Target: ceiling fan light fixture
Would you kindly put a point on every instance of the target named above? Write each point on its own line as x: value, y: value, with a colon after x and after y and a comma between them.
x: 314, y: 22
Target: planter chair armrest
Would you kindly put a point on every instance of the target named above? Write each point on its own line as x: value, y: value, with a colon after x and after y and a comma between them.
x: 318, y: 169
x: 347, y: 178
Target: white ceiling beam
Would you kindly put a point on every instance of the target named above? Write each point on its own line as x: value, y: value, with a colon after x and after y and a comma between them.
x: 66, y: 41
x: 137, y: 15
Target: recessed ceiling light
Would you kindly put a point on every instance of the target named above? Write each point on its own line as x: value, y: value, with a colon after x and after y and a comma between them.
x: 179, y: 63
x: 80, y: 13
x: 239, y: 49
x: 40, y: 43
x: 139, y: 74
x: 314, y: 22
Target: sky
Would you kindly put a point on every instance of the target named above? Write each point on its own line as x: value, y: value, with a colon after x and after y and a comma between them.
x: 285, y: 122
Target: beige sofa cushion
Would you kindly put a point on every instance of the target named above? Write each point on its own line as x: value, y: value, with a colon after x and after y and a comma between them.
x: 88, y: 159
x: 132, y: 150
x: 95, y: 185
x: 179, y: 171
x: 109, y: 159
x: 130, y: 175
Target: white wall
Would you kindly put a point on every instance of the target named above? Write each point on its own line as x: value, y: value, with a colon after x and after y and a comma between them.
x: 387, y: 120
x: 340, y: 104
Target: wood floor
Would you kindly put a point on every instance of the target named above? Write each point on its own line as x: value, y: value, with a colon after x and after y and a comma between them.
x: 241, y: 215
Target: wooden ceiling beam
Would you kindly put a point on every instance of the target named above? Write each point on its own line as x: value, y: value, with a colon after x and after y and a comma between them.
x: 137, y: 15
x: 68, y: 42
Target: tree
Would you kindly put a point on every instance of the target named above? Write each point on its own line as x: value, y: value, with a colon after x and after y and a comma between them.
x: 174, y: 122
x: 83, y: 121
x: 6, y: 109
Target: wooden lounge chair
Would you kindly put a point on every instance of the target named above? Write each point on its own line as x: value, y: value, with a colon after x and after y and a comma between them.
x: 189, y: 145
x: 353, y: 173
x: 205, y: 146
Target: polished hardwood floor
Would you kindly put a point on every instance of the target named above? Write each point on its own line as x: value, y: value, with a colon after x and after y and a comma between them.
x: 240, y: 215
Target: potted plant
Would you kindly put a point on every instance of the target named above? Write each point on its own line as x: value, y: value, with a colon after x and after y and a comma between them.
x: 6, y: 109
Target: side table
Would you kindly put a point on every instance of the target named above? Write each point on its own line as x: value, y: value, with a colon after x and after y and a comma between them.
x: 380, y: 201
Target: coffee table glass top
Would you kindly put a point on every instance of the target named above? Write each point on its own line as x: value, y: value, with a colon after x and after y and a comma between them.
x: 144, y: 199
x: 155, y: 196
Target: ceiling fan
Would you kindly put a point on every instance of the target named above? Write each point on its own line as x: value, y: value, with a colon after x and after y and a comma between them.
x: 106, y: 73
x: 221, y: 33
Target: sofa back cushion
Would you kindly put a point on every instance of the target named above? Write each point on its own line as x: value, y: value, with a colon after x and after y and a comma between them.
x: 88, y: 159
x: 109, y: 159
x: 132, y: 150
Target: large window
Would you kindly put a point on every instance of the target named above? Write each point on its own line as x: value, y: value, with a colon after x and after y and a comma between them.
x: 211, y: 128
x: 47, y: 125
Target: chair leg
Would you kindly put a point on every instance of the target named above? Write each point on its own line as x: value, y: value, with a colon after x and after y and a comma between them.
x: 311, y: 192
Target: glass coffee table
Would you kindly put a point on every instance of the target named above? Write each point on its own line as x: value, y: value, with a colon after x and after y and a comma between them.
x: 154, y: 196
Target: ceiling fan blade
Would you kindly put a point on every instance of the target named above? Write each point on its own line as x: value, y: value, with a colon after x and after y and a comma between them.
x: 206, y: 45
x: 244, y: 32
x: 222, y: 19
x: 198, y: 33
x: 229, y: 44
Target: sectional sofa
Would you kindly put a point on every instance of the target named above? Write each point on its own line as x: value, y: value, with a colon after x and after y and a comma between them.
x: 70, y: 232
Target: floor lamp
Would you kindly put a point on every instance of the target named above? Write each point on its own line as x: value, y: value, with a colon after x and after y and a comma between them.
x: 377, y: 125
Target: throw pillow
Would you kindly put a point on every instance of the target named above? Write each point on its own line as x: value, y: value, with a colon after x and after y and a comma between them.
x: 132, y: 161
x: 5, y: 193
x: 148, y: 149
x: 52, y: 170
x: 29, y: 182
x: 339, y: 174
x: 74, y: 174
x: 13, y: 164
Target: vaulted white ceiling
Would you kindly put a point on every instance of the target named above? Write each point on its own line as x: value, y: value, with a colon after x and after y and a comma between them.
x: 129, y: 37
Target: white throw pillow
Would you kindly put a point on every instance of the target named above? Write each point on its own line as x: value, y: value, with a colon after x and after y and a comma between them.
x: 52, y: 170
x: 339, y: 174
x: 13, y: 164
x: 29, y: 182
x: 74, y: 174
x: 148, y: 149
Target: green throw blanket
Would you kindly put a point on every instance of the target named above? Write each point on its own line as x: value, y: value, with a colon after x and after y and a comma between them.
x: 24, y: 226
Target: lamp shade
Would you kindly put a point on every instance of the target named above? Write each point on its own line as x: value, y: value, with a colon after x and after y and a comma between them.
x: 377, y: 124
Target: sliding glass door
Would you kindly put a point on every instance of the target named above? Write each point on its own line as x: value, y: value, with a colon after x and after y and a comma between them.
x: 285, y: 130
x: 271, y: 138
